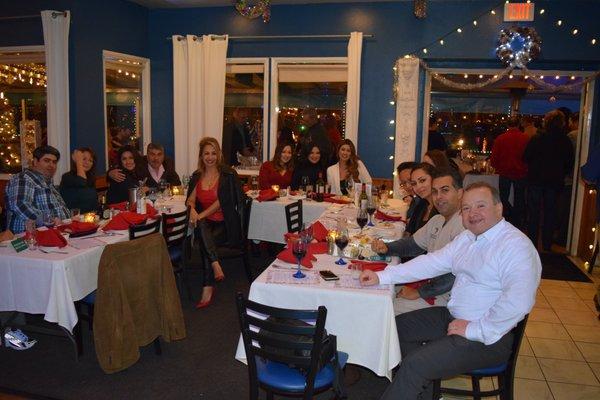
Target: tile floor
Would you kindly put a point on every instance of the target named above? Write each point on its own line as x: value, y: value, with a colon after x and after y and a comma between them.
x: 560, y: 354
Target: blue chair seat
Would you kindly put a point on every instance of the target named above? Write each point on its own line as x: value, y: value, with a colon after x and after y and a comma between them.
x: 90, y: 298
x: 175, y: 253
x: 282, y: 377
x: 496, y: 370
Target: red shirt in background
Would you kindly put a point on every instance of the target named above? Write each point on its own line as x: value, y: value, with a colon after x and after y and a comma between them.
x: 268, y: 176
x: 507, y: 154
x: 207, y: 198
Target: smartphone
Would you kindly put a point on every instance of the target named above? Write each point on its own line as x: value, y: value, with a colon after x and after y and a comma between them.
x: 328, y: 275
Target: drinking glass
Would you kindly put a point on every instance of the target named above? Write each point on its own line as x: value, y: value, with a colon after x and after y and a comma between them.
x: 350, y: 188
x: 299, y: 251
x: 152, y: 195
x: 48, y: 219
x: 306, y: 233
x: 341, y: 241
x: 75, y: 214
x: 30, y: 234
x: 361, y: 218
x: 304, y: 182
x: 371, y: 208
x: 356, y: 269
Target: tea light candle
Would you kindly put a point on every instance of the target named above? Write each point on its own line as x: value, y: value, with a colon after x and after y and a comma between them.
x: 89, y: 217
x: 175, y: 190
x: 275, y: 188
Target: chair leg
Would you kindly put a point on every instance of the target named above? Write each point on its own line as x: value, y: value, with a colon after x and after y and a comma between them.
x: 247, y: 266
x: 437, y: 389
x: 157, y: 348
x: 476, y: 388
x: 505, y: 384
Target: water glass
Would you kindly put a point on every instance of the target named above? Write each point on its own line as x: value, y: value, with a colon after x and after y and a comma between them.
x: 356, y: 269
x: 31, y: 234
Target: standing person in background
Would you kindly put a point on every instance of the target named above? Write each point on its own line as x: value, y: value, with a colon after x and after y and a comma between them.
x: 236, y: 137
x: 277, y: 171
x: 330, y: 125
x: 549, y: 158
x: 507, y: 160
x: 564, y: 201
x: 78, y: 186
x: 435, y: 140
x: 311, y: 166
x: 286, y: 132
x: 348, y: 170
x: 315, y: 134
x: 529, y: 127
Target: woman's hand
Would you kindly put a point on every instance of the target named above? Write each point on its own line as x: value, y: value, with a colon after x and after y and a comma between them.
x: 194, y: 217
x: 77, y: 157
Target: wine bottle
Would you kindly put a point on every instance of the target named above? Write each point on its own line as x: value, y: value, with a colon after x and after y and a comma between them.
x: 320, y: 184
x: 363, y: 199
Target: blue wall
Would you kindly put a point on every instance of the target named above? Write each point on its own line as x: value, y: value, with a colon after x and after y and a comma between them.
x: 115, y: 25
x: 396, y: 31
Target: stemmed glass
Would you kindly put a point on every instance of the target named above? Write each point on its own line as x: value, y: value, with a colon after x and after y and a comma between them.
x: 306, y: 233
x: 361, y: 218
x: 299, y: 251
x: 350, y: 188
x: 48, y: 220
x: 371, y: 208
x: 152, y: 196
x: 341, y: 240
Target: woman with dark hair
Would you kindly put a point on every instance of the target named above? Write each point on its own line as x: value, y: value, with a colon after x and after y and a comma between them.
x: 348, y: 169
x: 438, y: 159
x: 421, y: 179
x: 78, y: 186
x: 277, y: 171
x: 118, y: 192
x: 217, y: 211
x: 311, y: 166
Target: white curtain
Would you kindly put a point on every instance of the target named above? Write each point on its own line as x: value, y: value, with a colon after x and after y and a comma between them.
x: 56, y: 42
x: 198, y: 95
x: 353, y: 97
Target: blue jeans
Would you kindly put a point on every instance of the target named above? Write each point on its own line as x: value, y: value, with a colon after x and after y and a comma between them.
x: 542, y: 199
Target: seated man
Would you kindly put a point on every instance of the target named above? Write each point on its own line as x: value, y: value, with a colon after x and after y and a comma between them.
x: 30, y: 194
x: 154, y: 167
x: 497, y: 271
x: 440, y: 230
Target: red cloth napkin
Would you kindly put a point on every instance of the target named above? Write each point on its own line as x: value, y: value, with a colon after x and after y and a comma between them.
x: 267, y: 194
x: 372, y: 265
x: 150, y: 211
x: 319, y: 231
x: 416, y: 285
x: 385, y: 217
x: 79, y: 227
x: 120, y: 206
x: 50, y: 238
x: 336, y: 201
x: 287, y: 256
x: 124, y: 220
x: 317, y: 248
x: 289, y: 236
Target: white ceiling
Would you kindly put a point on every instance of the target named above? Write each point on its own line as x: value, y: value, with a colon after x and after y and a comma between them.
x: 222, y: 3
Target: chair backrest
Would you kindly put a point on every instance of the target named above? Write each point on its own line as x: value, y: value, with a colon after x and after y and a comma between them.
x: 174, y: 227
x: 293, y: 216
x: 247, y: 204
x: 144, y: 229
x: 518, y: 332
x: 272, y: 336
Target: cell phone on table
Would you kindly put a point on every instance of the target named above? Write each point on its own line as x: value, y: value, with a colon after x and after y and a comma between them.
x: 328, y: 275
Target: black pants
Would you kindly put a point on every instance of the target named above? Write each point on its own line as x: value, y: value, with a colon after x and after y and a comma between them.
x: 209, y: 235
x: 428, y: 353
x: 542, y: 199
x: 514, y: 213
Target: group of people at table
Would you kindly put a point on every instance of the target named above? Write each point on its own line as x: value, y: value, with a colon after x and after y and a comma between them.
x: 479, y: 273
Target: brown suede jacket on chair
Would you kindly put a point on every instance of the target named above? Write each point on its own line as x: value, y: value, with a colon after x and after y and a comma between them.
x: 137, y: 301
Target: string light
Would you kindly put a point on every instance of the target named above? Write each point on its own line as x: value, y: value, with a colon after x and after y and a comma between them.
x: 575, y: 31
x: 493, y: 12
x: 557, y: 77
x: 542, y: 11
x: 594, y: 41
x: 466, y: 76
x: 442, y: 41
x: 424, y: 51
x: 392, y: 122
x: 392, y: 102
x: 459, y: 30
x: 475, y: 23
x: 480, y: 76
x: 391, y: 138
x: 559, y: 22
x: 391, y: 157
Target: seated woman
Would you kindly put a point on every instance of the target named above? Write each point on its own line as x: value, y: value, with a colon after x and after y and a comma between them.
x: 421, y: 183
x: 78, y: 186
x: 310, y: 166
x: 119, y: 191
x: 278, y: 171
x: 217, y: 211
x: 348, y: 170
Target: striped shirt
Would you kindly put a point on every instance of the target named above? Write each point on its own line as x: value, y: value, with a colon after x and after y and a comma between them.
x: 28, y: 196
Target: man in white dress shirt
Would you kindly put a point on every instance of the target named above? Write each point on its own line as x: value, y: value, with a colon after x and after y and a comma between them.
x: 497, y: 271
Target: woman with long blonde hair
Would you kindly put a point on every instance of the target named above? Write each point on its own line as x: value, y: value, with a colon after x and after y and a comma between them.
x: 348, y: 169
x: 216, y: 200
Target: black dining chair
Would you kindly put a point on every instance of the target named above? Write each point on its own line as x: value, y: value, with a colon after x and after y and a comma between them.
x: 279, y: 362
x: 175, y: 231
x: 144, y: 229
x: 504, y: 372
x: 293, y: 216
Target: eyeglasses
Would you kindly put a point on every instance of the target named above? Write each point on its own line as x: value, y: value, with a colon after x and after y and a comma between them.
x: 405, y: 184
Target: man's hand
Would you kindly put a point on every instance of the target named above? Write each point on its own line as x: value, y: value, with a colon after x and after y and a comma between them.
x: 408, y: 293
x: 368, y: 278
x: 6, y: 235
x: 117, y: 175
x: 378, y: 246
x: 458, y: 327
x: 77, y: 157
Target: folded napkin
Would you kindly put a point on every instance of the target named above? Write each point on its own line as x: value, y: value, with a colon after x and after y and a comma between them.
x: 319, y: 231
x: 417, y: 285
x: 289, y: 236
x: 121, y: 206
x: 267, y: 194
x: 50, y: 238
x: 336, y: 201
x: 78, y: 228
x: 373, y: 266
x: 385, y: 217
x: 317, y: 248
x: 150, y: 211
x: 287, y: 256
x: 124, y: 220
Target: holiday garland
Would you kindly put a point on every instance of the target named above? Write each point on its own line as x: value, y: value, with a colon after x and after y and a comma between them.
x: 262, y: 8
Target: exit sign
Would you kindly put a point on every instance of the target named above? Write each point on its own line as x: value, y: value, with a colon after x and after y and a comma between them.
x: 514, y: 12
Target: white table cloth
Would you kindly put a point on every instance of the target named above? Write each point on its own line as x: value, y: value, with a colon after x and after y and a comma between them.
x: 38, y: 283
x: 267, y: 218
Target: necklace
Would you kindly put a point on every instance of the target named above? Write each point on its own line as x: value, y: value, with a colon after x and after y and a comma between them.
x: 209, y: 181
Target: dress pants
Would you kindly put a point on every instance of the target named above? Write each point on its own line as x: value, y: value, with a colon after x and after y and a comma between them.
x: 514, y: 213
x: 542, y: 199
x: 210, y: 234
x: 428, y: 353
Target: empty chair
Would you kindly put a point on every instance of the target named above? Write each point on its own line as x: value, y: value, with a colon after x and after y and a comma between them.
x: 290, y: 359
x: 293, y: 216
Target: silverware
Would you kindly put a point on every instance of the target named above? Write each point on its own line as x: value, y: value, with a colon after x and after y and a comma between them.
x: 52, y: 251
x: 277, y: 266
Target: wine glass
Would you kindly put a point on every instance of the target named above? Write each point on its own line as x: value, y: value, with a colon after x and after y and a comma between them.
x: 341, y: 240
x: 152, y: 196
x: 350, y: 187
x: 371, y: 208
x: 299, y: 251
x: 361, y: 218
x: 30, y: 234
x: 306, y: 233
x: 48, y: 219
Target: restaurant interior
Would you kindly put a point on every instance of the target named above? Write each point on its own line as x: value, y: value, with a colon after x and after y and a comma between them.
x: 389, y: 75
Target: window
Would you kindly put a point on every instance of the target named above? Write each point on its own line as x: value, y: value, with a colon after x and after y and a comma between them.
x: 126, y: 89
x: 22, y: 106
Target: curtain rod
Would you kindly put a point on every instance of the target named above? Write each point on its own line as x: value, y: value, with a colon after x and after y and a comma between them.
x: 275, y: 37
x: 54, y: 15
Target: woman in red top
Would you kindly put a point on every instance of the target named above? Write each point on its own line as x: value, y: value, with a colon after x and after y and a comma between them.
x: 215, y: 198
x: 279, y: 170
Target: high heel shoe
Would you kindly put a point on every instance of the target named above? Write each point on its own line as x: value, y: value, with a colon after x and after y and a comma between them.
x: 204, y: 304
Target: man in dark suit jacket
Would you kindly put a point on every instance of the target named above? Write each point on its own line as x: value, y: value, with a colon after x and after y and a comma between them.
x: 236, y: 137
x: 316, y: 135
